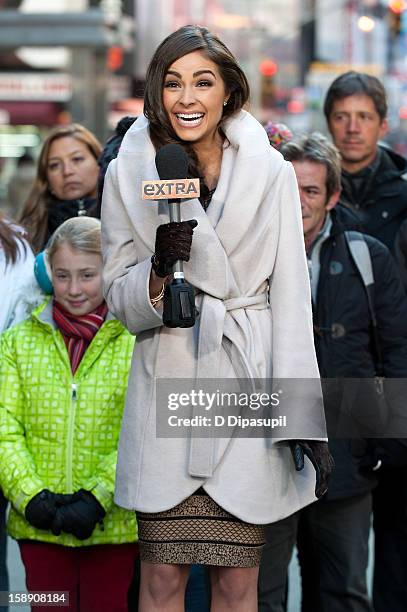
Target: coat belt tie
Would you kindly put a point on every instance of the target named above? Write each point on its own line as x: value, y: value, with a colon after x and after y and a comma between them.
x: 215, y: 325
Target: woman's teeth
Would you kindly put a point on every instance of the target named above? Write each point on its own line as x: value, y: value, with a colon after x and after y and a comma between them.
x: 190, y: 118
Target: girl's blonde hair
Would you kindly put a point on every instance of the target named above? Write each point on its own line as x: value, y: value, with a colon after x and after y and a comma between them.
x: 80, y: 233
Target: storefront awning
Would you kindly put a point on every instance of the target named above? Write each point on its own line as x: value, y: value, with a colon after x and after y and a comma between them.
x: 32, y: 113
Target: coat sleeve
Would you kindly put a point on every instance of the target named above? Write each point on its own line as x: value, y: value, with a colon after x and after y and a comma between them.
x: 103, y: 482
x: 18, y: 476
x: 391, y: 314
x: 293, y: 352
x: 290, y: 293
x: 391, y: 310
x: 125, y: 278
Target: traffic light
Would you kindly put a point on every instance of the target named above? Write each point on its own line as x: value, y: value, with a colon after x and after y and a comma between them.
x: 114, y: 58
x: 396, y: 9
x: 397, y: 6
x: 268, y: 69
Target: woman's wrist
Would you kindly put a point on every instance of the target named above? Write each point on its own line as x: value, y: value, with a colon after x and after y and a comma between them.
x: 157, y: 299
x: 156, y: 288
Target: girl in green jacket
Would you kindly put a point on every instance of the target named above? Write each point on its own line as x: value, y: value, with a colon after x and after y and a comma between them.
x: 63, y: 378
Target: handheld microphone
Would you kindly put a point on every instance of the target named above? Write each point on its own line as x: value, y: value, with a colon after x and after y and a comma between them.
x: 172, y: 166
x: 172, y: 163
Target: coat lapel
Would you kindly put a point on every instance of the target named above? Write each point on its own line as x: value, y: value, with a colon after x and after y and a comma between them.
x: 233, y: 209
x: 248, y: 159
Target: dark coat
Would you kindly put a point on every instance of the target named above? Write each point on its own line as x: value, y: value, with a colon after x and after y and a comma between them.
x: 400, y: 252
x: 62, y: 210
x: 343, y: 337
x: 110, y: 151
x: 383, y: 206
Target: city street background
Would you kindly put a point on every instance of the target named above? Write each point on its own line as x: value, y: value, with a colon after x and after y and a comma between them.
x: 17, y: 577
x: 85, y: 61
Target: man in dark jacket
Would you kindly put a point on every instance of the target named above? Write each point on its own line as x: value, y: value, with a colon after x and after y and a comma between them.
x: 374, y: 185
x: 374, y: 178
x: 333, y: 533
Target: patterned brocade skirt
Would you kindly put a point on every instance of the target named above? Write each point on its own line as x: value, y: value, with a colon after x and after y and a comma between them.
x: 199, y: 531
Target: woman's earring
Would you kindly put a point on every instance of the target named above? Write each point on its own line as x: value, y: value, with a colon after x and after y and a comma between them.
x: 225, y: 102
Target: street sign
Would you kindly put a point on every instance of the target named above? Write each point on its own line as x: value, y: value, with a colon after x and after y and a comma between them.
x: 33, y: 86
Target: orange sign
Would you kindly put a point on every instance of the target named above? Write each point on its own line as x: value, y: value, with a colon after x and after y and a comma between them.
x: 175, y: 189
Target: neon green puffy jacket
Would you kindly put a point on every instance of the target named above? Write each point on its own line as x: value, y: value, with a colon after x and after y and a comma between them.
x: 60, y: 431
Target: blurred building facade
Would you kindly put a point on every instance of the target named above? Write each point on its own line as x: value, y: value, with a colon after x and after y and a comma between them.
x: 60, y: 61
x: 85, y: 60
x: 255, y: 30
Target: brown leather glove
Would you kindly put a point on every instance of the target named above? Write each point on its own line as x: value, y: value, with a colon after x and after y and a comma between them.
x: 172, y: 243
x: 320, y: 457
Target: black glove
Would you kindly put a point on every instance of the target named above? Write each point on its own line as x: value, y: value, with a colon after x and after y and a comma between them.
x: 172, y: 243
x: 320, y: 457
x: 79, y: 517
x: 41, y: 509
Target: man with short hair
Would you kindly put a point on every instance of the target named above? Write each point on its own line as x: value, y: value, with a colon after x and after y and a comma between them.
x: 333, y: 533
x: 374, y: 185
x: 374, y: 178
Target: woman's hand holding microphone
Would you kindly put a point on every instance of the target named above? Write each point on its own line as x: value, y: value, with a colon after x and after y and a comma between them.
x: 172, y: 243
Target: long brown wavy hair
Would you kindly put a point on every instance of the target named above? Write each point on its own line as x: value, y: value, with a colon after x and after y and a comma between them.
x: 34, y: 215
x: 187, y: 39
x: 10, y: 236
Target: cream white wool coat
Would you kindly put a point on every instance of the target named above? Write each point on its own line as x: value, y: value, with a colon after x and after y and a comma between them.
x: 19, y: 290
x: 246, y: 248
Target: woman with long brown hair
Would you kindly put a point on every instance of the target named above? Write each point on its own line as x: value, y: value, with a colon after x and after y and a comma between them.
x: 66, y: 183
x: 205, y: 498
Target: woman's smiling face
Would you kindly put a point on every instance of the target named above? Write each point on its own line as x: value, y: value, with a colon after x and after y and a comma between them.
x: 193, y: 97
